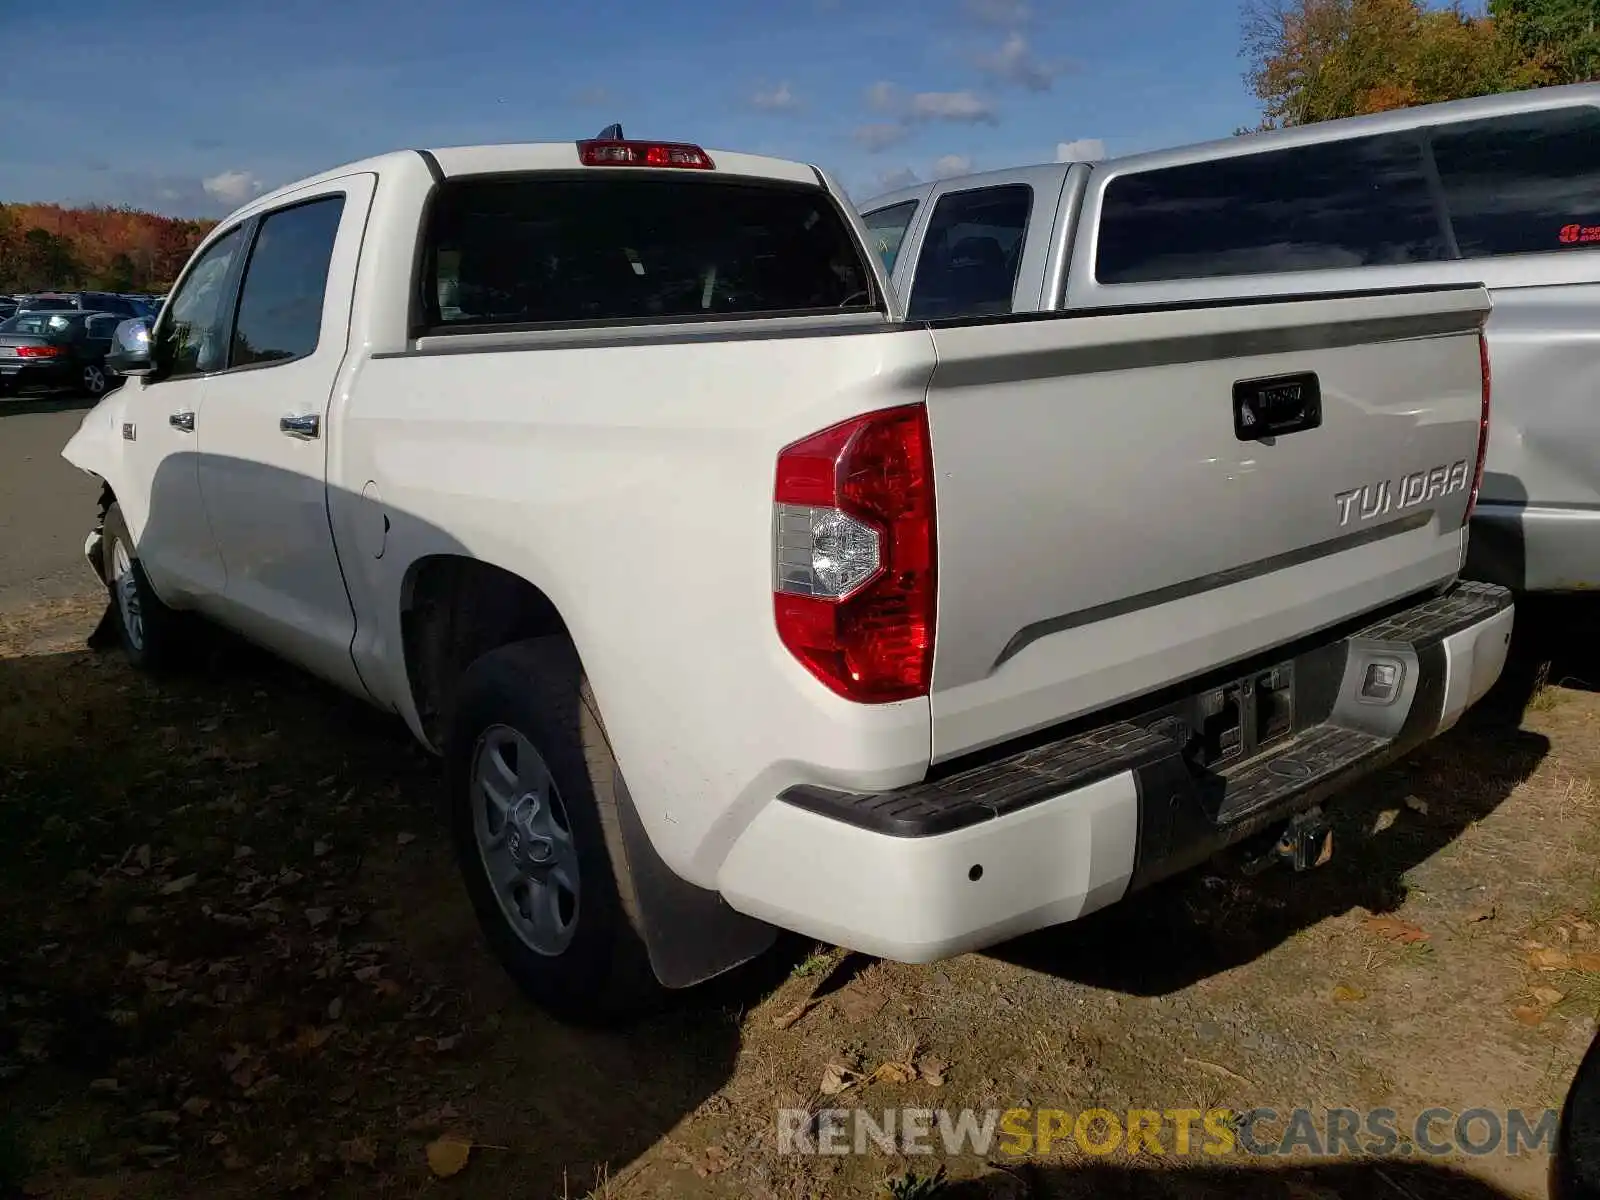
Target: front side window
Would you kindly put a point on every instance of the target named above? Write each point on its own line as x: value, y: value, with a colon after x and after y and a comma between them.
x: 1362, y: 202
x: 280, y: 304
x: 971, y: 253
x: 190, y: 335
x: 542, y: 250
x: 1522, y: 184
x: 888, y: 229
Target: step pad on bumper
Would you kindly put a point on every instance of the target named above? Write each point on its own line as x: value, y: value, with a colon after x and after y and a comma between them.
x: 1183, y: 803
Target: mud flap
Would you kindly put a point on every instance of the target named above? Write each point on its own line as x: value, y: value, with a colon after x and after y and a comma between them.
x: 690, y: 933
x: 104, y: 636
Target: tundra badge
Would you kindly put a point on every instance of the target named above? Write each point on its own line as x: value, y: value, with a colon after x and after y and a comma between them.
x: 1372, y: 500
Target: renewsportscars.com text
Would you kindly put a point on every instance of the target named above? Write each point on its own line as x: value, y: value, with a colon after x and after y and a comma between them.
x: 1212, y: 1133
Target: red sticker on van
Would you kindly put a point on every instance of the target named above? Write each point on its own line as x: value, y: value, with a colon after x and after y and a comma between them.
x: 1576, y: 235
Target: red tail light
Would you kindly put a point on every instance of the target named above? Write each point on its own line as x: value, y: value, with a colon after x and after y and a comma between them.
x: 644, y: 154
x: 39, y: 352
x: 1483, y: 427
x: 854, y: 584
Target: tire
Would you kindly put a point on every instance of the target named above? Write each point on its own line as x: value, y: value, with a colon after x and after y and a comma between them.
x: 587, y: 964
x: 153, y: 636
x: 93, y: 380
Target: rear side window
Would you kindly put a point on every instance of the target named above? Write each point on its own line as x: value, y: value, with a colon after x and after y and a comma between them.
x: 280, y: 305
x: 1522, y: 184
x: 971, y: 253
x: 888, y: 228
x: 1356, y: 203
x: 609, y: 248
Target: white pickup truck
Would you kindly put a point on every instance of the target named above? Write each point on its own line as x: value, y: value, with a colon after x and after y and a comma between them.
x: 733, y: 599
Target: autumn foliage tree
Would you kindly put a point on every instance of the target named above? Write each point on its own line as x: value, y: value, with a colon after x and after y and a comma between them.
x: 1316, y: 60
x: 45, y: 246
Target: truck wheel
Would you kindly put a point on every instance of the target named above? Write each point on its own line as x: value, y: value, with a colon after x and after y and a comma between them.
x: 533, y: 814
x: 151, y: 634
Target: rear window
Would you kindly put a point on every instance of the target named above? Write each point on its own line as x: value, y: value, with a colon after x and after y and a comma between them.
x: 1357, y: 203
x: 544, y: 250
x: 49, y: 304
x: 44, y: 324
x: 971, y: 253
x: 888, y: 228
x: 1522, y: 184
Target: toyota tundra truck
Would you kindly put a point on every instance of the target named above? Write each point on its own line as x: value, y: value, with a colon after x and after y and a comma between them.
x: 735, y: 598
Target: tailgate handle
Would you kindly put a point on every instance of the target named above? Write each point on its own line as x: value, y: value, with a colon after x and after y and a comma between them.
x: 1269, y: 408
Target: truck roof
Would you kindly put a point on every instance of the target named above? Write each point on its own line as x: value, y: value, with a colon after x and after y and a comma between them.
x: 459, y: 161
x: 1503, y: 104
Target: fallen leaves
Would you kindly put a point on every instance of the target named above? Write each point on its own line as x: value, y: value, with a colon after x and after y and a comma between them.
x: 358, y: 1152
x: 837, y: 1078
x: 788, y: 1019
x: 1220, y: 1071
x: 1544, y: 958
x: 857, y: 1003
x: 177, y: 887
x: 1395, y: 929
x: 1348, y: 994
x: 448, y: 1154
x: 1587, y: 961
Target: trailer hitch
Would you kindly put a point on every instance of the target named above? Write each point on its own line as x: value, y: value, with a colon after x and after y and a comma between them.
x: 1305, y: 842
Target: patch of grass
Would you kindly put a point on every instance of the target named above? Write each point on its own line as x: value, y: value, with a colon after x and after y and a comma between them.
x: 817, y: 960
x: 912, y: 1185
x: 1417, y: 954
x: 16, y: 1155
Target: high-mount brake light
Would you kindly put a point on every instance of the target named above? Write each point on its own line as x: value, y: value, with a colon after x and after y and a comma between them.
x: 854, y: 587
x: 1483, y: 426
x: 612, y: 153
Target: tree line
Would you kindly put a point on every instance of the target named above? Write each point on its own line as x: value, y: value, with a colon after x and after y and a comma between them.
x: 1317, y: 60
x: 45, y: 247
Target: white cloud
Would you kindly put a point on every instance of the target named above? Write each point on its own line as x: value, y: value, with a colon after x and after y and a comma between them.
x: 902, y: 177
x: 232, y: 187
x: 961, y: 107
x: 1014, y: 63
x: 879, y: 135
x: 1082, y: 150
x: 881, y: 97
x: 777, y: 99
x: 998, y: 12
x: 950, y: 165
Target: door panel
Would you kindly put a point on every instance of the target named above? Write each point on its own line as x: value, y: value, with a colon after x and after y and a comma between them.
x: 168, y: 519
x: 263, y: 458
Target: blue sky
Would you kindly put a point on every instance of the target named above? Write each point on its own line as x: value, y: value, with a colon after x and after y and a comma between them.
x: 191, y: 107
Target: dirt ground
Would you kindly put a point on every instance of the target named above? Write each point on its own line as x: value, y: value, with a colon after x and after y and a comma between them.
x: 235, y: 960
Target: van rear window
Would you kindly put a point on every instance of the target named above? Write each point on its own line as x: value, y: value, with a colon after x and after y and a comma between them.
x: 543, y: 250
x: 1517, y: 184
x: 1357, y: 203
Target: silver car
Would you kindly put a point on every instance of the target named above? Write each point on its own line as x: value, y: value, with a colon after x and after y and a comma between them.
x: 1502, y: 190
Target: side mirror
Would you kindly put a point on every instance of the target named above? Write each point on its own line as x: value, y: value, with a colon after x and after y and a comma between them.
x: 130, y: 352
x: 1575, y: 1164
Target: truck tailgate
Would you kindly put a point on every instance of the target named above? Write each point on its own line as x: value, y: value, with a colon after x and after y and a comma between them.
x: 1105, y: 530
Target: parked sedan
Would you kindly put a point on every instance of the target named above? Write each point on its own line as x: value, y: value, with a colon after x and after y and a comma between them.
x: 56, y: 351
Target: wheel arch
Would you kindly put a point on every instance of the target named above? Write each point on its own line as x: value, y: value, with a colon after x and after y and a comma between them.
x: 454, y: 608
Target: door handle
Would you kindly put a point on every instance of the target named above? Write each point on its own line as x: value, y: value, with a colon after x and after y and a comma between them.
x: 306, y: 428
x: 182, y: 420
